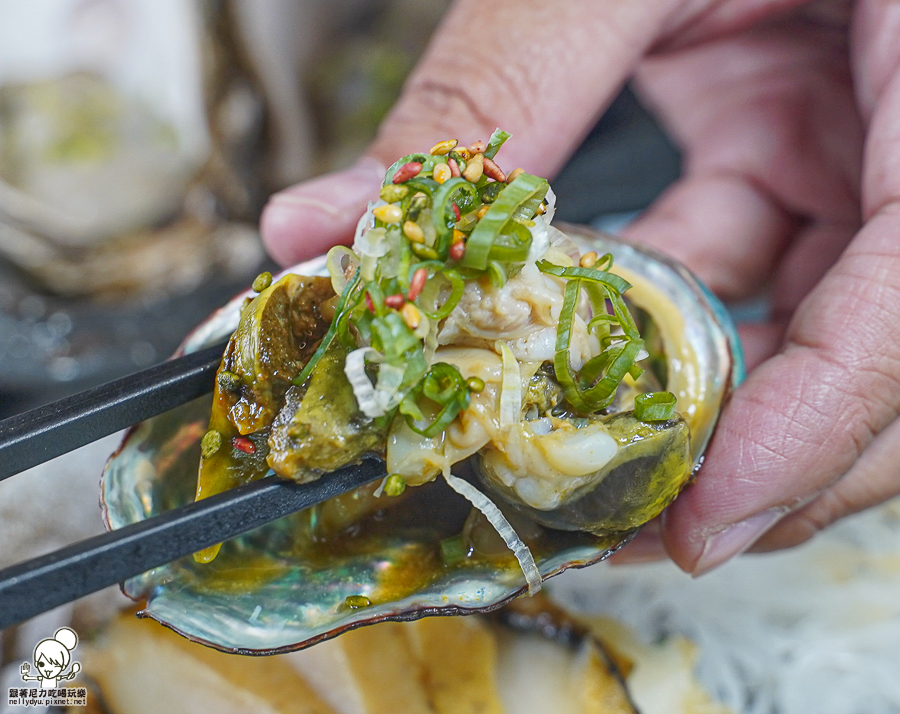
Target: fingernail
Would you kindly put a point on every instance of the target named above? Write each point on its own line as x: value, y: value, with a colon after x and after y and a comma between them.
x: 736, y: 539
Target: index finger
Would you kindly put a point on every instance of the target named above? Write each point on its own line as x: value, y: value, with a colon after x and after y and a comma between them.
x: 542, y: 71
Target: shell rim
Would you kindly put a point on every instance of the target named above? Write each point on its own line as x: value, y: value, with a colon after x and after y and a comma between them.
x: 202, y: 332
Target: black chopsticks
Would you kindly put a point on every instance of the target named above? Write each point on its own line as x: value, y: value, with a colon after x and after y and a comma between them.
x: 37, y: 585
x: 55, y: 429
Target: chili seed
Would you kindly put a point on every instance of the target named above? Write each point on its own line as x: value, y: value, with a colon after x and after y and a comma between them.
x: 261, y: 282
x: 407, y: 171
x: 411, y: 316
x: 475, y: 384
x: 454, y: 167
x: 395, y: 485
x: 492, y: 171
x: 414, y: 232
x: 482, y: 211
x: 474, y: 168
x: 394, y: 301
x: 211, y: 443
x: 458, y: 250
x: 442, y: 172
x: 514, y: 174
x: 477, y: 148
x: 228, y: 381
x: 588, y: 260
x: 393, y: 193
x: 242, y: 443
x: 355, y: 602
x: 423, y: 251
x: 416, y: 284
x: 388, y: 213
x: 442, y: 148
x: 489, y: 193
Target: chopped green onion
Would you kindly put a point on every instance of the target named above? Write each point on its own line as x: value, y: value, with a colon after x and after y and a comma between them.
x: 564, y: 374
x: 341, y: 315
x: 432, y: 292
x: 588, y: 391
x: 489, y: 193
x: 603, y: 318
x: 520, y: 199
x: 426, y: 185
x: 445, y: 387
x: 392, y: 336
x: 498, y: 138
x: 497, y: 274
x: 625, y: 320
x: 654, y: 406
x: 512, y: 247
x: 620, y: 285
x: 601, y: 394
x: 442, y: 211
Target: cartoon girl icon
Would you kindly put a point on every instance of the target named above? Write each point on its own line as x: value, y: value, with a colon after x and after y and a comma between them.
x: 51, y: 657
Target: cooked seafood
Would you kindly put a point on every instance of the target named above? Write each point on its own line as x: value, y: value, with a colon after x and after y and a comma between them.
x: 566, y: 394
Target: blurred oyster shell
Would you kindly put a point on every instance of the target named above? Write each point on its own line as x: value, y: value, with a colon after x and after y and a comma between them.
x: 259, y: 596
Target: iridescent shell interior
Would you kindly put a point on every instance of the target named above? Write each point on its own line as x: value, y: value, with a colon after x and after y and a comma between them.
x: 259, y: 596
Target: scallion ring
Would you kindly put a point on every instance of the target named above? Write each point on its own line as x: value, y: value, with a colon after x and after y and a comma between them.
x: 654, y: 406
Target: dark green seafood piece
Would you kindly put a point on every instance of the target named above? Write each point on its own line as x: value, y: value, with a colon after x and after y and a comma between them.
x: 320, y: 428
x: 277, y: 333
x: 652, y: 464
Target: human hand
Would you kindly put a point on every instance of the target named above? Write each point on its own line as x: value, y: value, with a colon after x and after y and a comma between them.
x: 788, y: 115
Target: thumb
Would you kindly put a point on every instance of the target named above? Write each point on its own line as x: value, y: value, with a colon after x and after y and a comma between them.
x: 307, y: 219
x: 542, y: 71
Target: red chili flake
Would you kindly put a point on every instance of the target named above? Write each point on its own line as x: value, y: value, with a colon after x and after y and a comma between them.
x: 369, y: 303
x: 394, y: 301
x: 458, y: 250
x: 407, y: 171
x: 455, y: 210
x: 242, y: 443
x: 417, y: 283
x: 491, y: 170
